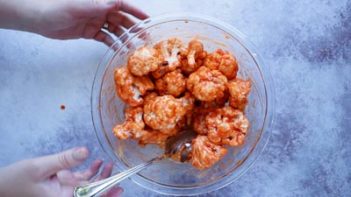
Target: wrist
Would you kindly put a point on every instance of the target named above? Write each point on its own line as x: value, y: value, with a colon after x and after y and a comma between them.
x: 19, y: 14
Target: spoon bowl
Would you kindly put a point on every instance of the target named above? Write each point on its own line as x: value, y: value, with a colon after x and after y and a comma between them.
x: 180, y: 144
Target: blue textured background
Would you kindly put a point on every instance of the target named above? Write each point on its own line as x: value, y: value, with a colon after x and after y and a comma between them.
x: 306, y: 44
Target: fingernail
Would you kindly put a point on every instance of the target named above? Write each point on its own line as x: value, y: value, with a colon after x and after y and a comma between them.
x: 80, y: 153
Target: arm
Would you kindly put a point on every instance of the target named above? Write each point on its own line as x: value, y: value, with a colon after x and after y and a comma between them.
x: 69, y: 19
x: 16, y: 14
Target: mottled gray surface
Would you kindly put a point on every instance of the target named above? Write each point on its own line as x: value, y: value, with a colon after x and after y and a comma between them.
x: 306, y: 44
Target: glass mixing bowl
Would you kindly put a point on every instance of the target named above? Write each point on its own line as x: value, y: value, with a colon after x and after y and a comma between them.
x: 170, y: 177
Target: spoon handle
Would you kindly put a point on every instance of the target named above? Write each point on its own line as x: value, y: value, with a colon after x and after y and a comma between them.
x: 96, y: 188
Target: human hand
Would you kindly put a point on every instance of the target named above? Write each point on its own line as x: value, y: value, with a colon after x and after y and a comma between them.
x: 49, y: 176
x: 70, y: 19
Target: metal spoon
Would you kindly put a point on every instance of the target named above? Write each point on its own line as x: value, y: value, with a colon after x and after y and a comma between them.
x: 180, y: 143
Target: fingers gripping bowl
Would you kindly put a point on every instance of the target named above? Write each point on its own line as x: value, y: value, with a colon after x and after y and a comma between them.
x: 169, y: 177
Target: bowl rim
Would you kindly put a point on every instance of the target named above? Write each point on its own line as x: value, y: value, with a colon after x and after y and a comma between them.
x: 265, y: 75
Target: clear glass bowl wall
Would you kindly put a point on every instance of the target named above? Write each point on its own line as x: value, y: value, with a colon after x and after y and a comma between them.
x: 169, y: 177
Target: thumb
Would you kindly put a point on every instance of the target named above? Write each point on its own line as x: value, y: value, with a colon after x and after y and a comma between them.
x: 65, y: 160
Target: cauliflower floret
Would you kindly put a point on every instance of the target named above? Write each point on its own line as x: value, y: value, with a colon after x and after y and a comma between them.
x: 206, y: 84
x: 153, y: 137
x: 217, y: 103
x: 150, y: 96
x: 163, y: 113
x: 193, y: 57
x: 125, y: 88
x: 172, y: 83
x: 169, y: 51
x: 204, y: 153
x: 227, y: 126
x: 143, y: 61
x: 199, y: 118
x: 222, y: 61
x: 239, y: 90
x: 199, y: 121
x: 187, y: 101
x: 132, y: 126
x: 131, y: 89
x: 143, y: 84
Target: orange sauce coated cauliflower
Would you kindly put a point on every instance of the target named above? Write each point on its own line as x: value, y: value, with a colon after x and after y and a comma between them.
x: 206, y: 84
x: 193, y: 57
x: 169, y: 51
x: 222, y: 61
x: 169, y: 88
x: 199, y: 122
x: 131, y: 89
x: 227, y: 126
x: 239, y: 91
x: 172, y: 83
x: 162, y: 113
x: 133, y: 125
x: 205, y: 153
x: 143, y: 61
x: 153, y: 137
x: 187, y: 101
x: 217, y: 103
